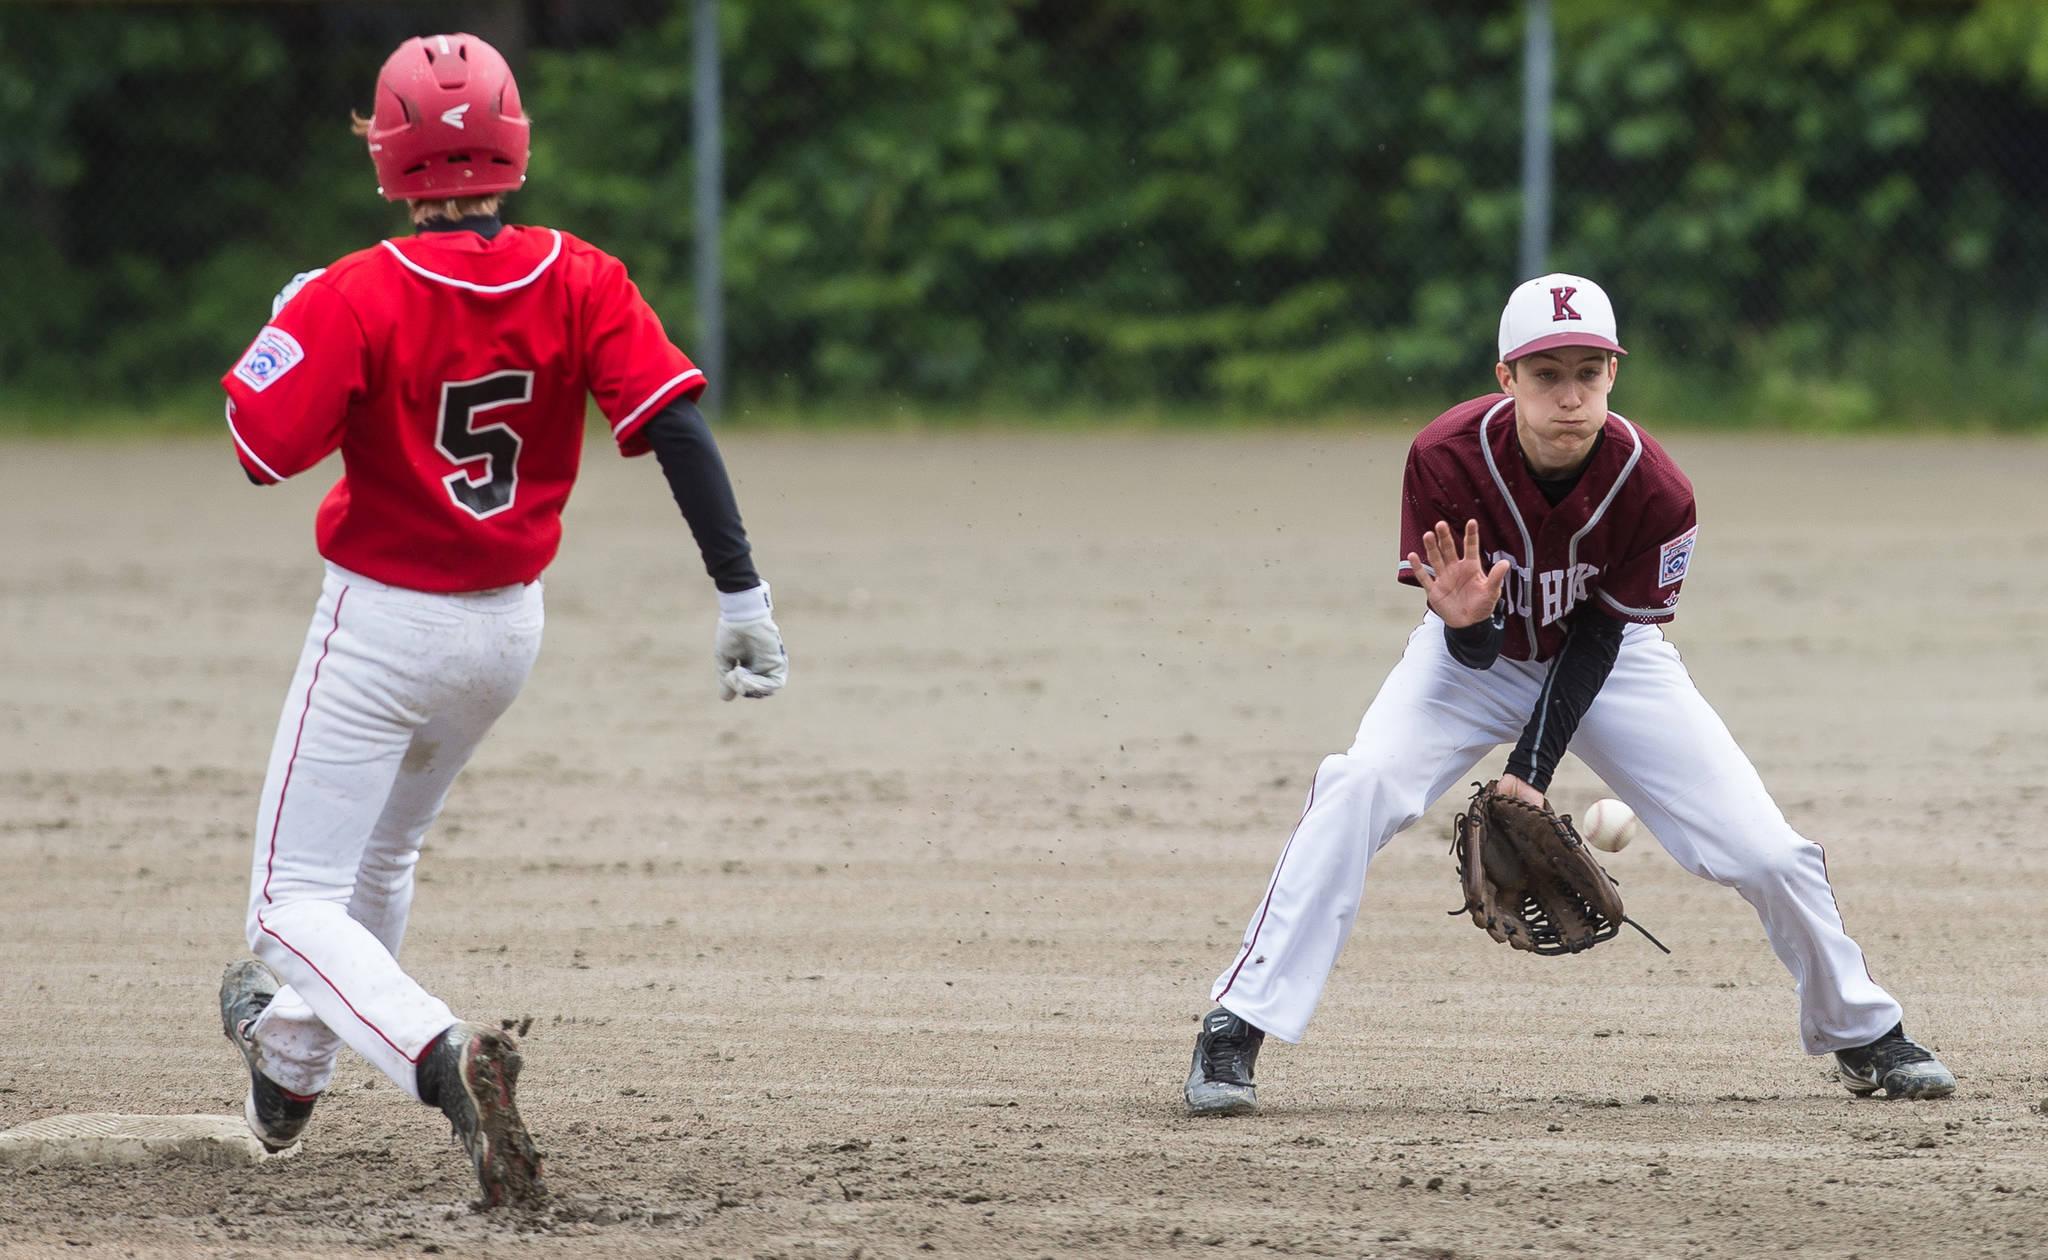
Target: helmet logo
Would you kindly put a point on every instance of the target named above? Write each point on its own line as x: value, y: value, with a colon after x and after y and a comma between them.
x: 447, y: 117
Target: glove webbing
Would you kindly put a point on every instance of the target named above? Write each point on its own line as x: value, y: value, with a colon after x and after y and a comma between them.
x: 1543, y: 933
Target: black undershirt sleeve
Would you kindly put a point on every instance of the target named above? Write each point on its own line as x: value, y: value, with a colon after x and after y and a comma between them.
x: 696, y: 475
x: 1592, y: 640
x: 1478, y: 645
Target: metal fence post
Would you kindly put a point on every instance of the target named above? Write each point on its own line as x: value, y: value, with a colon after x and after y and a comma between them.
x: 1536, y: 95
x: 709, y: 352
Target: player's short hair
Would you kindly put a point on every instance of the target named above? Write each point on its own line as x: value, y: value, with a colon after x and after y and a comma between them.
x: 427, y: 210
x: 454, y: 209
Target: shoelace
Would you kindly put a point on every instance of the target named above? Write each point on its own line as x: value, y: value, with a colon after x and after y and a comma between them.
x: 1223, y: 1059
x: 1891, y: 1051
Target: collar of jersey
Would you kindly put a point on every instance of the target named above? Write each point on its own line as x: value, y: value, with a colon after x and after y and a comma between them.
x: 1507, y: 494
x: 554, y: 252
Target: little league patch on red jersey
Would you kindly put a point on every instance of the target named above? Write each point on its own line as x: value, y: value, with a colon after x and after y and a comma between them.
x: 1674, y: 556
x: 271, y: 355
x: 462, y: 445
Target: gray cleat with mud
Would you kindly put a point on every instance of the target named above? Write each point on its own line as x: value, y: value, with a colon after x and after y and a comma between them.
x: 1896, y: 1064
x: 1220, y: 1079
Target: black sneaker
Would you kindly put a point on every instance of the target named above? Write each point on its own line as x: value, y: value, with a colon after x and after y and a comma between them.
x: 1220, y: 1079
x: 275, y: 1115
x: 471, y: 1073
x: 1896, y: 1064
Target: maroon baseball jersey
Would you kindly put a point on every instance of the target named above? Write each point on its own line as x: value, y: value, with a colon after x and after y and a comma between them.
x: 451, y: 371
x: 1622, y: 537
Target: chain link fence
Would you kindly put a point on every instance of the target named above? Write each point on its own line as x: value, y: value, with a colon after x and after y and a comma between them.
x: 1813, y: 214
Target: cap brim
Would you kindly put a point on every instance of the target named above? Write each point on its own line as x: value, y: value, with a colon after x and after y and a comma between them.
x: 1557, y: 340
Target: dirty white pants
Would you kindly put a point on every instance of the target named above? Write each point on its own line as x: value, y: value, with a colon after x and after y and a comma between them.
x: 1649, y: 735
x: 394, y: 690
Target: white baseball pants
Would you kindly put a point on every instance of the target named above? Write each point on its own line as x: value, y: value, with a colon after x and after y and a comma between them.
x: 1649, y: 735
x: 395, y: 689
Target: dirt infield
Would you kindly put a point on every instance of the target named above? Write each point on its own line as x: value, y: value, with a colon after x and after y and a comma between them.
x: 908, y: 961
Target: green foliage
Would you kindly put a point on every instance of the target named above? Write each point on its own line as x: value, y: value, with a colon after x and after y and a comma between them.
x: 1814, y: 213
x: 1110, y: 201
x: 171, y: 182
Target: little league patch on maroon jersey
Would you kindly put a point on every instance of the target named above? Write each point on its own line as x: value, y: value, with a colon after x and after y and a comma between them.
x: 271, y: 355
x: 1673, y: 556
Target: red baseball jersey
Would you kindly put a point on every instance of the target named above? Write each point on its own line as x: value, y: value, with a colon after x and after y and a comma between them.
x: 451, y: 371
x: 1622, y: 537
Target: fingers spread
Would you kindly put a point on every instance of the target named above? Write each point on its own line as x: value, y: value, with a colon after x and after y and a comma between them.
x: 1495, y: 577
x: 1434, y: 553
x: 1421, y: 574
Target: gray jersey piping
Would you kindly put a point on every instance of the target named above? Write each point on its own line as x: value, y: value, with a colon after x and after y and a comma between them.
x: 1507, y: 497
x: 1620, y: 607
x: 1571, y: 558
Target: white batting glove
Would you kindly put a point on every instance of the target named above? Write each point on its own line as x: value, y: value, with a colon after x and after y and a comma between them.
x: 747, y: 650
x: 291, y: 287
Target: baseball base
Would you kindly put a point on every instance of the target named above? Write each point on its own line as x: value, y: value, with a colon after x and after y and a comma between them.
x: 101, y: 1138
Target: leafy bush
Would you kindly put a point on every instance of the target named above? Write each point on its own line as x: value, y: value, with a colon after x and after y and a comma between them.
x: 1808, y: 213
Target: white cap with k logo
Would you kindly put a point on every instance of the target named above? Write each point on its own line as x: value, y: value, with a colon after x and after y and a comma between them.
x: 1556, y: 310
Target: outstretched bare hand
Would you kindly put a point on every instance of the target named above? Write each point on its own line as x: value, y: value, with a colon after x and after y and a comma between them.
x: 1459, y: 589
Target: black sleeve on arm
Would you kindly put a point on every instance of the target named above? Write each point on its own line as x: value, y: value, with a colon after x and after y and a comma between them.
x: 696, y: 476
x: 1576, y: 675
x: 1477, y: 646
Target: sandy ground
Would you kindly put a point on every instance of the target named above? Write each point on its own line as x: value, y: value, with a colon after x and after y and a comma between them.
x: 908, y: 960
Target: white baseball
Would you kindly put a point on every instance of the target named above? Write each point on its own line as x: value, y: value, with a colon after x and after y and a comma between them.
x: 1609, y: 825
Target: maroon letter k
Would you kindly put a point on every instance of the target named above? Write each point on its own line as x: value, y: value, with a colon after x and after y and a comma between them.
x: 1561, y: 304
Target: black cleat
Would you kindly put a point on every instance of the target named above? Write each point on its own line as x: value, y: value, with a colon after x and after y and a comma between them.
x: 275, y: 1114
x: 1220, y: 1079
x: 471, y: 1073
x: 1896, y: 1064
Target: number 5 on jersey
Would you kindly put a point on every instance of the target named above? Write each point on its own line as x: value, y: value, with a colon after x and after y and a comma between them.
x: 487, y: 491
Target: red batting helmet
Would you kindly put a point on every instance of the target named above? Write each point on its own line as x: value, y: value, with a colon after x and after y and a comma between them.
x: 447, y: 121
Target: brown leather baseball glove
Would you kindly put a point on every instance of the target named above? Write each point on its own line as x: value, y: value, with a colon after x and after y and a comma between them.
x: 1531, y: 880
